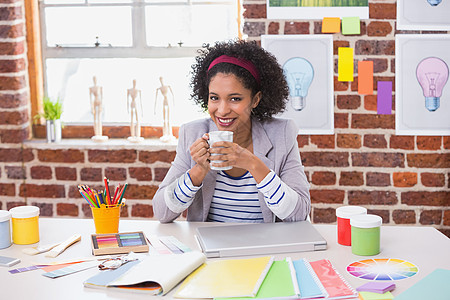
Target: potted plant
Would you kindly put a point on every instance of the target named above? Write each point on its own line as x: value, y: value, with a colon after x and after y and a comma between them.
x: 52, y: 115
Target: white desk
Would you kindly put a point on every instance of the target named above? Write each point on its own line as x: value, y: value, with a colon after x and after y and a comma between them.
x: 424, y: 246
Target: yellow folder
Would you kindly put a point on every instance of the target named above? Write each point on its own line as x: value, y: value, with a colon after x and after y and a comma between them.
x: 226, y: 278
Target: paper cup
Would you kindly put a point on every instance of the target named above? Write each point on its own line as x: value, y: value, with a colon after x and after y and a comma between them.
x: 106, y: 219
x: 219, y: 136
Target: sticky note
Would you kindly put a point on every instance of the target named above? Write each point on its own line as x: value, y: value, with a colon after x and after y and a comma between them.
x: 375, y: 296
x: 331, y: 25
x: 384, y: 97
x: 345, y: 64
x: 351, y: 25
x: 365, y: 77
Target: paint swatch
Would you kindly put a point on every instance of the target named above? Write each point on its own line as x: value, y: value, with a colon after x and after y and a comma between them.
x: 167, y: 244
x: 26, y: 269
x: 71, y: 269
x: 119, y: 243
x: 382, y: 269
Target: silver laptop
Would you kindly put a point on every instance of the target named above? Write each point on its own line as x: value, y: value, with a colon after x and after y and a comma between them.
x: 261, y: 238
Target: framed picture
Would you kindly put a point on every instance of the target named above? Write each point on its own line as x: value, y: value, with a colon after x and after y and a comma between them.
x: 422, y: 90
x: 307, y: 62
x: 317, y: 9
x: 423, y: 14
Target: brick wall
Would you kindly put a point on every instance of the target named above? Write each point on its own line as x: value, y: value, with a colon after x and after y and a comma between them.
x: 404, y: 179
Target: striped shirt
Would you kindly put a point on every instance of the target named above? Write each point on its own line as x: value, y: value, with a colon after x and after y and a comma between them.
x: 235, y: 200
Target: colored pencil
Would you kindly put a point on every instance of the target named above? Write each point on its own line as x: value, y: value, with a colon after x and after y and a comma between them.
x: 85, y: 196
x: 123, y: 193
x: 115, y: 194
x: 108, y: 195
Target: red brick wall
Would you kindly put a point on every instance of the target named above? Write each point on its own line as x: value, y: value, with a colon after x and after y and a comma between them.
x: 404, y: 179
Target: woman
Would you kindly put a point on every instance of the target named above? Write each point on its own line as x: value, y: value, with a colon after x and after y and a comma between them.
x: 241, y: 86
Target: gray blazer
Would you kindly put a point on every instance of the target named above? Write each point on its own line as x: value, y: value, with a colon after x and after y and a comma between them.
x: 274, y: 142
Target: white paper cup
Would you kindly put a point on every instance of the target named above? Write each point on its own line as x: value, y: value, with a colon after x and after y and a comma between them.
x: 219, y: 136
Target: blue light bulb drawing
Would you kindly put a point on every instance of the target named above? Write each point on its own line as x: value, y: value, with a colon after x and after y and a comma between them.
x: 299, y: 74
x: 434, y: 2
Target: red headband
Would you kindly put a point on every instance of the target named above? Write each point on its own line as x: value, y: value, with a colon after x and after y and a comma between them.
x: 248, y: 65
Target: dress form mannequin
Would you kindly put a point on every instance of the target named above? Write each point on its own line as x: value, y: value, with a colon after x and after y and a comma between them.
x: 167, y: 128
x: 135, y: 128
x: 96, y: 98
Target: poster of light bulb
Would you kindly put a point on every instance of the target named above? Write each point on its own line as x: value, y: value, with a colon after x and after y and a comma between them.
x: 307, y: 63
x: 299, y: 74
x: 432, y: 74
x: 423, y: 15
x: 422, y: 91
x: 434, y: 2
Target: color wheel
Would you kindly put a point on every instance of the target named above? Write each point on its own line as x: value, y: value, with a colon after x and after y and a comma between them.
x: 382, y: 269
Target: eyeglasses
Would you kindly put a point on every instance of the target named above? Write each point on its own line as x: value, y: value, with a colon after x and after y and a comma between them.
x: 115, y: 262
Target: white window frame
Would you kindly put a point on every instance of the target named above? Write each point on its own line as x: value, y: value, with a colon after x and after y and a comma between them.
x: 139, y: 47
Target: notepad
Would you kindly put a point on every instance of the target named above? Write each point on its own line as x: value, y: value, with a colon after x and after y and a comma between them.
x: 434, y: 286
x: 335, y: 285
x: 309, y: 285
x: 226, y: 278
x: 278, y: 283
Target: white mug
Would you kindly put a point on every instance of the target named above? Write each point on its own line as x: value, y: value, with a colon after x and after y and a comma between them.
x: 219, y: 136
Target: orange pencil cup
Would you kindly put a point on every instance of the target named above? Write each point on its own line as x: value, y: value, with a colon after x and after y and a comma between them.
x: 106, y: 219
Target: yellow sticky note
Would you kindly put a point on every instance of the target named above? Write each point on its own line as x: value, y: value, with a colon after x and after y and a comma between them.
x: 345, y: 64
x: 331, y: 25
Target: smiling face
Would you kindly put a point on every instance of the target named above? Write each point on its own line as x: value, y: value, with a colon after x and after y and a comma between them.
x: 230, y: 103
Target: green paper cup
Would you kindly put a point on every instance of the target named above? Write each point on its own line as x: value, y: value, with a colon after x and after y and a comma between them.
x: 365, y: 234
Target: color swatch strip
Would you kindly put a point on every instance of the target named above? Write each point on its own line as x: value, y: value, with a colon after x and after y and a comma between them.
x: 382, y: 269
x: 72, y: 269
x: 26, y: 269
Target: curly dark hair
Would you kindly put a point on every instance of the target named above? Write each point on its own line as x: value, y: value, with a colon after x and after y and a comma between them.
x: 273, y: 85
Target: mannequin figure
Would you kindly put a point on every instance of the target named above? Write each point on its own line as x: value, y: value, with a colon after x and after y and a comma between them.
x: 135, y: 129
x: 167, y: 128
x: 96, y: 98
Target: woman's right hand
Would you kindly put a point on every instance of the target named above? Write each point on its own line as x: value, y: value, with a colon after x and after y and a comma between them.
x: 200, y: 154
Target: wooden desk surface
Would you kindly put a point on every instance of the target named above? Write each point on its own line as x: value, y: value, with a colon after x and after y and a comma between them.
x: 426, y: 247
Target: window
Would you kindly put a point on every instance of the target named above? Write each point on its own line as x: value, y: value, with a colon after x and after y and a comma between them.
x: 119, y: 41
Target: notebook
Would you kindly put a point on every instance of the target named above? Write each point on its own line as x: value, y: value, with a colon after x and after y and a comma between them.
x: 333, y: 282
x: 278, y: 283
x: 259, y: 239
x: 307, y: 284
x: 226, y: 278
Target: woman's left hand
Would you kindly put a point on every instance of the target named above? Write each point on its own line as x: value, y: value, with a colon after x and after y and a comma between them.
x: 232, y: 154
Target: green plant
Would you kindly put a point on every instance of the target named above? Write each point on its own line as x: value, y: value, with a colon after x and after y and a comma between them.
x: 52, y: 110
